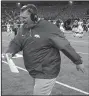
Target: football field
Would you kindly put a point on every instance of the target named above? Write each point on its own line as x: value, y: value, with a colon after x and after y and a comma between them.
x: 69, y: 81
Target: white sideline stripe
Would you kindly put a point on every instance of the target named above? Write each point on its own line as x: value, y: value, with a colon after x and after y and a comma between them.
x: 83, y: 53
x: 77, y: 41
x: 76, y: 89
x: 16, y: 56
x: 16, y: 66
x: 12, y: 65
x: 22, y: 55
x: 72, y: 88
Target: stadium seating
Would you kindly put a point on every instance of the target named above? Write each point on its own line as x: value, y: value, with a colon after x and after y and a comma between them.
x: 63, y: 12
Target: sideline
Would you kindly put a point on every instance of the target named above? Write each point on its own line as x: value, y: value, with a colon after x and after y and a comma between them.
x: 76, y: 89
x: 83, y: 53
x: 78, y: 41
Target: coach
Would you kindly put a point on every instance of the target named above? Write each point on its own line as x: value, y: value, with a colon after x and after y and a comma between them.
x: 41, y: 43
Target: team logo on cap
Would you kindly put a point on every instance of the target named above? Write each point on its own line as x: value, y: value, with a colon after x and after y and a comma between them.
x: 37, y: 36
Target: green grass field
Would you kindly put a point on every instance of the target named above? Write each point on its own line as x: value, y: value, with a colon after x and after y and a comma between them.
x: 69, y: 81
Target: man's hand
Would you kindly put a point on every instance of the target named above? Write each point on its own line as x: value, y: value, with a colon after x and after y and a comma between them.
x: 9, y: 55
x: 80, y: 67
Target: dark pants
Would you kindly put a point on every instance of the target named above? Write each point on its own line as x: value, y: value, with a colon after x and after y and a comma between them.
x: 15, y: 31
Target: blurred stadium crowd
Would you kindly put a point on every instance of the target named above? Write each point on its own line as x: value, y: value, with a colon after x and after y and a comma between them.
x: 66, y: 15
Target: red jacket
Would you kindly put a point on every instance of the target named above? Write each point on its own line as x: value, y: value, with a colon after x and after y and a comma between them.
x: 41, y: 49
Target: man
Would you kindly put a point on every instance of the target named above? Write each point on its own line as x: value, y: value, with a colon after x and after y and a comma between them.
x: 41, y: 43
x: 62, y: 27
x: 15, y: 28
x: 75, y: 28
x: 78, y: 29
x: 87, y: 25
x: 9, y: 30
x: 8, y: 27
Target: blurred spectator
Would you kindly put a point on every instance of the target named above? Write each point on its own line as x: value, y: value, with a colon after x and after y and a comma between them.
x: 67, y: 24
x: 87, y: 25
x: 62, y: 27
x: 58, y: 23
x: 9, y: 29
x: 49, y: 12
x: 78, y: 28
x: 15, y: 28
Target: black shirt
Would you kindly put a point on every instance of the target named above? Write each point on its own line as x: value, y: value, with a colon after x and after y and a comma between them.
x: 41, y: 47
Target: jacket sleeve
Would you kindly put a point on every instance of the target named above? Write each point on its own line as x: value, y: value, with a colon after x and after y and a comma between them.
x: 15, y: 45
x: 59, y: 41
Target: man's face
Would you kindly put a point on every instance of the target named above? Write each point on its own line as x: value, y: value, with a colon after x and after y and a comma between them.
x: 25, y: 18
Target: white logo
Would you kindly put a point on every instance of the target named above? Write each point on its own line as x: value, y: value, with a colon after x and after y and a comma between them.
x: 37, y: 36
